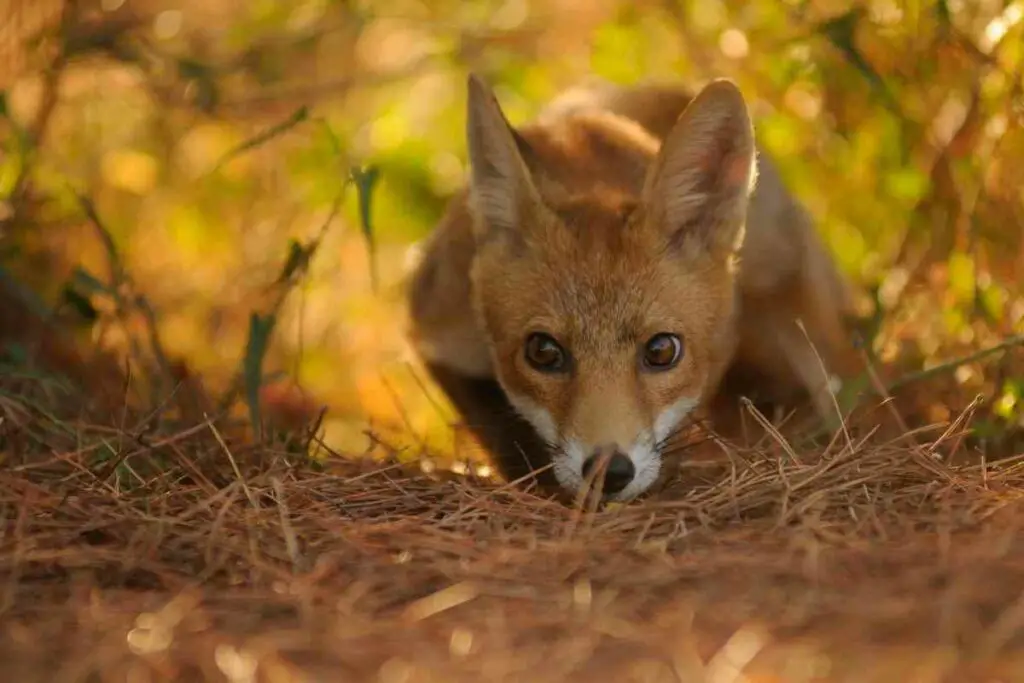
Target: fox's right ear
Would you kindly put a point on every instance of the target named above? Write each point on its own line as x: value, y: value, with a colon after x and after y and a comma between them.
x: 502, y: 193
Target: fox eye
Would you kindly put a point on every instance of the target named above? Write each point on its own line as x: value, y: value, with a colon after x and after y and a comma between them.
x: 662, y: 351
x: 543, y: 353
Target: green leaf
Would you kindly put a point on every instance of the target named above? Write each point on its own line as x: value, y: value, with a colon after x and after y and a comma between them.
x: 190, y: 68
x: 15, y: 353
x: 260, y: 331
x: 841, y: 32
x: 366, y: 181
x: 88, y: 283
x: 4, y: 110
x: 298, y: 256
x: 80, y: 303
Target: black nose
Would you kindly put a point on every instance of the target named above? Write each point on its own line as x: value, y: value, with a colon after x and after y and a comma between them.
x: 618, y: 473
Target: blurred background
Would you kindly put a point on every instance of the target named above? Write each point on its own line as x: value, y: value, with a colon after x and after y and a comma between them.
x: 235, y: 186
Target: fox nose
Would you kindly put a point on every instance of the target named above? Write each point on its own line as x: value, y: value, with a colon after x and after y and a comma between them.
x: 619, y: 470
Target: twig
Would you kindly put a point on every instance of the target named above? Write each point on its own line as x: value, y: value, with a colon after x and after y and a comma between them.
x: 234, y: 465
x: 287, y: 530
x: 953, y: 365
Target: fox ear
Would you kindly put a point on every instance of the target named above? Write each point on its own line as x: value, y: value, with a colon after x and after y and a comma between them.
x: 502, y: 192
x: 700, y: 184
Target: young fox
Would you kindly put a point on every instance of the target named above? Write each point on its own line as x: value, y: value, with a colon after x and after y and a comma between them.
x: 606, y: 266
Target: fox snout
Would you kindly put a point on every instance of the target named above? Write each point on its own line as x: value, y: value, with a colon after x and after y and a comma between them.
x: 609, y: 468
x: 621, y: 458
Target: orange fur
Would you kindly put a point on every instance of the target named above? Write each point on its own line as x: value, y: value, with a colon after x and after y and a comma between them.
x: 618, y: 215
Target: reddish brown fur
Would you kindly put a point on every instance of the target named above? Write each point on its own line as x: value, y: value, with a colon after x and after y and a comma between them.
x: 595, y: 261
x: 602, y: 248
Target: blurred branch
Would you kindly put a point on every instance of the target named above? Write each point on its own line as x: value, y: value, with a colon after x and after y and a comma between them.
x: 301, y: 114
x: 31, y: 138
x: 74, y: 37
x: 127, y: 299
x: 953, y: 365
x: 315, y: 92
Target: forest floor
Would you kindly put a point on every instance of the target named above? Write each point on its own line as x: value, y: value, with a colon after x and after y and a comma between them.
x: 188, y: 553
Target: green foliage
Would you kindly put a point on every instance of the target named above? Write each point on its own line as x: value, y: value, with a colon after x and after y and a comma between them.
x: 77, y: 295
x: 261, y: 328
x: 366, y: 181
x: 214, y: 167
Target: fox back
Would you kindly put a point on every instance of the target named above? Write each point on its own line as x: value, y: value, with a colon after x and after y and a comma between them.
x: 595, y: 270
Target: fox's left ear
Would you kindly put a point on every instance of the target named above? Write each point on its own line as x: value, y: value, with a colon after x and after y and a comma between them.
x: 502, y: 193
x: 699, y: 186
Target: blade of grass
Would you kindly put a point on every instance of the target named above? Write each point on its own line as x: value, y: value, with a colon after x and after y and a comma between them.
x: 260, y: 330
x: 366, y: 181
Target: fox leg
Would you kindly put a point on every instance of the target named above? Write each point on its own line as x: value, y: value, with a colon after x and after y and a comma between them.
x: 778, y: 359
x: 821, y: 354
x: 809, y: 364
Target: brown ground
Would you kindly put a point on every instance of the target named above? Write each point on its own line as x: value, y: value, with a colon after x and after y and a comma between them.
x: 180, y: 553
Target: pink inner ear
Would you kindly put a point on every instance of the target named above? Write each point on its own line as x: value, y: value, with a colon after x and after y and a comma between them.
x: 735, y: 170
x: 722, y: 160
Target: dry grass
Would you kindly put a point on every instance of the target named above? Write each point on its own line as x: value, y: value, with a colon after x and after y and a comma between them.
x: 185, y: 554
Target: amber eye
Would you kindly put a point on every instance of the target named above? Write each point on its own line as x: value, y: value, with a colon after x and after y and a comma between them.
x: 662, y: 351
x: 543, y: 353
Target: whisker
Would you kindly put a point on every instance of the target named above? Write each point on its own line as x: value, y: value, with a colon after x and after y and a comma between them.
x: 686, y: 425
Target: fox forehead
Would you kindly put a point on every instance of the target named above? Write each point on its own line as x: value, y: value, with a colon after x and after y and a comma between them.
x: 595, y: 277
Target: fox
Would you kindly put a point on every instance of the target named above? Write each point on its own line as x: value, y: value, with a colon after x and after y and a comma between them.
x: 608, y: 269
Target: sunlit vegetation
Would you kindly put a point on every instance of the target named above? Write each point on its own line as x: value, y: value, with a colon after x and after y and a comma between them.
x: 215, y: 138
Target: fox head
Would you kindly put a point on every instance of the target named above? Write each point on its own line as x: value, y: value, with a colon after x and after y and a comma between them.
x: 610, y: 313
